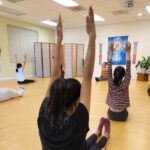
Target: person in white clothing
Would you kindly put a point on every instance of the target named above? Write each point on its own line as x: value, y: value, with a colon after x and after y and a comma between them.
x: 19, y: 72
x: 6, y: 93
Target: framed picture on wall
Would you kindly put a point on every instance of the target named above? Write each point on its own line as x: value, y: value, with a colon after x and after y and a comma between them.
x: 119, y: 55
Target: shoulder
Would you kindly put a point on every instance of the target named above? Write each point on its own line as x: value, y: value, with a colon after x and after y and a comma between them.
x: 82, y: 116
x: 81, y: 112
x: 81, y: 107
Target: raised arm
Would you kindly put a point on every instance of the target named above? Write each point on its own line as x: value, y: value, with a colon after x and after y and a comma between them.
x: 25, y: 59
x: 109, y: 69
x: 128, y: 63
x: 85, y: 95
x: 128, y: 51
x: 56, y: 68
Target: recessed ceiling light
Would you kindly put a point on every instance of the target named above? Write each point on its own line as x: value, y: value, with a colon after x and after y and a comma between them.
x: 48, y: 22
x: 66, y: 3
x: 139, y: 14
x: 1, y: 3
x: 98, y: 18
x: 148, y: 9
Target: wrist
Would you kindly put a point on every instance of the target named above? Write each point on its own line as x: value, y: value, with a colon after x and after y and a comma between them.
x: 59, y: 41
x: 91, y: 36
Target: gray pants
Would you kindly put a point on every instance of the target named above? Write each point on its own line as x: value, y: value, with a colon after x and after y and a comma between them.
x: 118, y: 116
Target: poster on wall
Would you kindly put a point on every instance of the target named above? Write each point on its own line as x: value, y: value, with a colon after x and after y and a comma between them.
x: 119, y: 55
x: 100, y: 53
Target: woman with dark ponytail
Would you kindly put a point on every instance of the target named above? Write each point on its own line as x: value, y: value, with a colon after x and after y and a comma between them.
x: 64, y: 114
x: 119, y: 73
x: 118, y: 88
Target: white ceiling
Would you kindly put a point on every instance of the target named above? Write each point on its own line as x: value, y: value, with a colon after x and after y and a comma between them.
x: 37, y: 10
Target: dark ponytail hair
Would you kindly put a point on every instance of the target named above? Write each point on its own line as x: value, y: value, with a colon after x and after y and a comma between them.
x: 19, y: 65
x: 119, y: 73
x: 64, y: 93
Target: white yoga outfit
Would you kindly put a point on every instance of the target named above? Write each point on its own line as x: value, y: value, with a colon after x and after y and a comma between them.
x: 20, y: 76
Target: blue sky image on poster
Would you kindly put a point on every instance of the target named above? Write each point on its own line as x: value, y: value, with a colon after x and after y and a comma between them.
x: 119, y: 55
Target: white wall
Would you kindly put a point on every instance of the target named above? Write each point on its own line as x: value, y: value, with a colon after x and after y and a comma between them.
x: 7, y: 70
x: 137, y: 32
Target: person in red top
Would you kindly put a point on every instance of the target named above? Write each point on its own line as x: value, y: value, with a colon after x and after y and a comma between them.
x: 118, y: 87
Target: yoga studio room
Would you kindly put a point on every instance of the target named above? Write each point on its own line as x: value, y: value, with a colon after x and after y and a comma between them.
x: 74, y: 74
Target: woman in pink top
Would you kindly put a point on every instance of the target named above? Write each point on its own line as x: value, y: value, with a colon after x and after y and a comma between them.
x: 118, y: 87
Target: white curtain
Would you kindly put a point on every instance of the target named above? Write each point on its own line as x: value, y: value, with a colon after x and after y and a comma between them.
x: 21, y: 41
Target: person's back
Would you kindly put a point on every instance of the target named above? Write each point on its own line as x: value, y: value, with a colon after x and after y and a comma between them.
x: 72, y: 135
x: 19, y: 73
x: 118, y: 88
x: 118, y: 95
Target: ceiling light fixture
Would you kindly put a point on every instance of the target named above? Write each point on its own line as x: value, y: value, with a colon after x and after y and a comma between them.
x: 98, y: 18
x: 148, y: 9
x: 139, y: 14
x: 66, y: 3
x: 1, y: 3
x: 48, y: 22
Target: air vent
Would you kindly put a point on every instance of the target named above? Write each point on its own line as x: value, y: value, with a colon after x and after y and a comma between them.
x: 15, y: 1
x: 120, y: 12
x: 77, y: 8
x: 11, y: 11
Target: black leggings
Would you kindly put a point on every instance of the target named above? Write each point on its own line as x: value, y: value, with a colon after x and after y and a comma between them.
x: 25, y: 81
x: 92, y: 145
x: 118, y: 116
x: 100, y: 78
